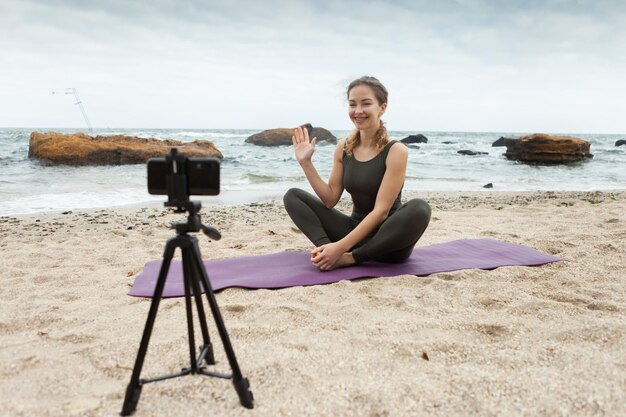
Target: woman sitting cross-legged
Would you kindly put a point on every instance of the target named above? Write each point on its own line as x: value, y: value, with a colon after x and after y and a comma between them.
x: 372, y: 169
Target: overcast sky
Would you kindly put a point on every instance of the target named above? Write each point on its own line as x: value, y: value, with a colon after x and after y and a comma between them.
x: 464, y: 65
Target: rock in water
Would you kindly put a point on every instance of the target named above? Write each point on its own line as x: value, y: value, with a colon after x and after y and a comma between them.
x: 540, y: 148
x: 282, y: 136
x: 419, y: 138
x: 82, y: 149
x: 620, y: 142
x: 471, y: 153
x: 500, y: 142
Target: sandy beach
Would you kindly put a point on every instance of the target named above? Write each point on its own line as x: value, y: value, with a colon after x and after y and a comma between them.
x: 515, y: 341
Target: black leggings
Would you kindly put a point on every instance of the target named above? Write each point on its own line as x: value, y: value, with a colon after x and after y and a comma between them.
x: 392, y: 242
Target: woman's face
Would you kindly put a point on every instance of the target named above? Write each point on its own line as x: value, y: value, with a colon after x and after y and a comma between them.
x: 363, y: 108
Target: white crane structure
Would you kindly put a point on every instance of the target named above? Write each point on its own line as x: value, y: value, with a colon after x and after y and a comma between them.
x: 79, y: 103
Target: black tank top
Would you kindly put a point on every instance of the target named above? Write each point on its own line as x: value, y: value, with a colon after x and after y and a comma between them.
x: 362, y: 180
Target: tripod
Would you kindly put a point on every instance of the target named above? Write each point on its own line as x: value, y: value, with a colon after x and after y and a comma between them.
x: 194, y: 273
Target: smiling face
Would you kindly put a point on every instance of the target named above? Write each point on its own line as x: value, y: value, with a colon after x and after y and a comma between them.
x: 364, y: 109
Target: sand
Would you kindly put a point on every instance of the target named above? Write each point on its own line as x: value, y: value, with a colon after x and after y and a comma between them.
x: 519, y: 341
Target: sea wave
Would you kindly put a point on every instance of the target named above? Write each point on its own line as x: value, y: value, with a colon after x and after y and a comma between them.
x: 260, y: 178
x: 250, y: 171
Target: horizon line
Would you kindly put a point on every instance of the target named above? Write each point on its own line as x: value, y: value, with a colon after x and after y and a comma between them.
x: 415, y: 131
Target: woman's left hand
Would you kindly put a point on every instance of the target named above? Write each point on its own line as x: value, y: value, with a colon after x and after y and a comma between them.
x: 325, y: 257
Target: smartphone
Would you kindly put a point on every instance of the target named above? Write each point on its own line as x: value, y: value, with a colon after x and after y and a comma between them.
x: 203, y: 176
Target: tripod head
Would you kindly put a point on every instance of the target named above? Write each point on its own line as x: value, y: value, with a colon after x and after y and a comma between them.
x: 193, y: 224
x: 179, y: 176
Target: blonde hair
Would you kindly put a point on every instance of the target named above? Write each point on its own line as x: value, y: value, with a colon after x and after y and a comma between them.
x: 381, y: 138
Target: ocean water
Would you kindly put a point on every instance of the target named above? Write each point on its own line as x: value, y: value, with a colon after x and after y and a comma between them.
x: 253, y: 173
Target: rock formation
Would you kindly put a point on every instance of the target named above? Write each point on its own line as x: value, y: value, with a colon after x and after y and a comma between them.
x: 282, y: 136
x: 540, y: 148
x: 620, y: 142
x: 419, y: 138
x: 82, y: 149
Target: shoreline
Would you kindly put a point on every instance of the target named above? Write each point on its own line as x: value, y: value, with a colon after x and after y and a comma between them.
x: 541, y: 341
x: 275, y: 198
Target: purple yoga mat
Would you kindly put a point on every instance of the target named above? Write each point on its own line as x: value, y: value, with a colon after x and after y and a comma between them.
x: 289, y: 269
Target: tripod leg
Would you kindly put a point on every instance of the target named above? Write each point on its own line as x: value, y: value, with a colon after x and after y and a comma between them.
x: 187, y: 278
x: 242, y: 384
x: 207, y: 348
x: 133, y: 391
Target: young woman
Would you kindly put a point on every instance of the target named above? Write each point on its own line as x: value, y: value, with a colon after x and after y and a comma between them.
x: 372, y: 169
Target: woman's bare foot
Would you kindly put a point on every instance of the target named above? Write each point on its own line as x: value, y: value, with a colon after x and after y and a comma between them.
x: 345, y: 260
